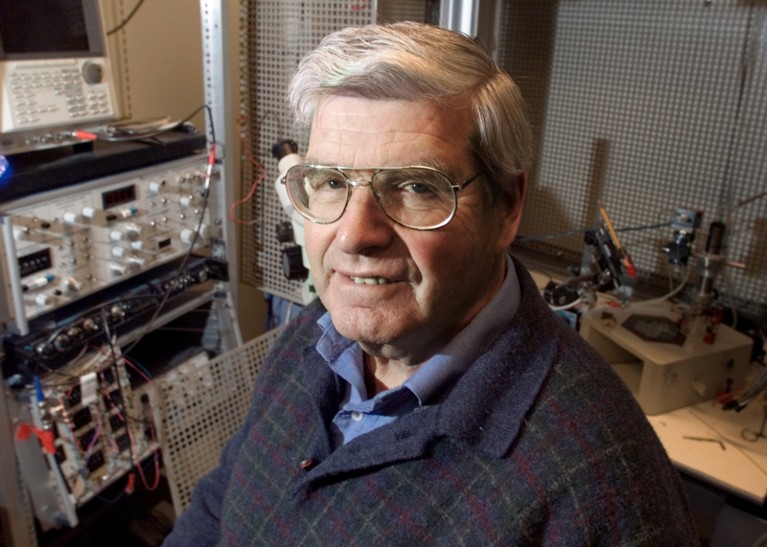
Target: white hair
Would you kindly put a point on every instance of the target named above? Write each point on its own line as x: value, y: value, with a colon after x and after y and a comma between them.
x: 413, y: 61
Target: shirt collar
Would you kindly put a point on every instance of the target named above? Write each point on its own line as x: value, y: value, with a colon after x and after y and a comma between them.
x: 452, y: 361
x: 345, y: 357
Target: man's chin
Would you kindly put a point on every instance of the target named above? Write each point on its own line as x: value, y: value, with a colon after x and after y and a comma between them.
x: 364, y: 325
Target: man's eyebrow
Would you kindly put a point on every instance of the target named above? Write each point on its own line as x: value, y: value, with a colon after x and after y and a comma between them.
x: 434, y: 163
x: 439, y: 165
x: 313, y: 161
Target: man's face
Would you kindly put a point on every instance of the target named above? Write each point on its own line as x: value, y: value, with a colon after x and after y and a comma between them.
x: 393, y: 289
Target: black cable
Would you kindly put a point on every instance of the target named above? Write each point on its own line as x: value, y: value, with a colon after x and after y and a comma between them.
x: 195, y: 237
x: 725, y: 192
x: 154, y: 134
x: 127, y: 19
x: 750, y: 199
x: 61, y: 329
x: 116, y: 370
x: 579, y: 232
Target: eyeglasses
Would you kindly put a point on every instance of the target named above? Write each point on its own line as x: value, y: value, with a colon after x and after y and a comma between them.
x: 421, y: 198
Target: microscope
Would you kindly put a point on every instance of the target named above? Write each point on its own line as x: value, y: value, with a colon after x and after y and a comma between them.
x: 291, y: 233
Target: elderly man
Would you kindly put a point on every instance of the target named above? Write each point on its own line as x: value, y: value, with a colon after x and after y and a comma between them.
x: 429, y: 396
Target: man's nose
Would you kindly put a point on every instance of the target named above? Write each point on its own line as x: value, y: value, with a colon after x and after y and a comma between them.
x: 364, y: 224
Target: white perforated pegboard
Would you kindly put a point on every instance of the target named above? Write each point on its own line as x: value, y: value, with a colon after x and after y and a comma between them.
x: 276, y: 35
x: 201, y: 404
x: 646, y: 106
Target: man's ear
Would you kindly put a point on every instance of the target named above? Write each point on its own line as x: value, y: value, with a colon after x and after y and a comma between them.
x: 512, y: 211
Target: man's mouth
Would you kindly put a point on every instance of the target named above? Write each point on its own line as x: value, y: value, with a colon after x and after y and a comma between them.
x: 370, y: 280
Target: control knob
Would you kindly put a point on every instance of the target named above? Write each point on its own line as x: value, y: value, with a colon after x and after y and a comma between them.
x: 74, y: 284
x: 70, y: 218
x: 90, y: 325
x: 293, y: 264
x: 117, y: 312
x: 136, y: 261
x: 93, y: 73
x: 156, y: 187
x: 118, y: 269
x: 61, y: 342
x: 43, y: 300
x: 118, y: 252
x: 133, y: 229
x: 187, y: 236
x: 38, y: 282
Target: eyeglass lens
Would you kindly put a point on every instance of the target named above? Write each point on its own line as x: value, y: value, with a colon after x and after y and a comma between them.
x: 418, y: 197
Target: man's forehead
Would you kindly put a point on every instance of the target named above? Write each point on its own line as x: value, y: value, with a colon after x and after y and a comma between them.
x: 369, y: 132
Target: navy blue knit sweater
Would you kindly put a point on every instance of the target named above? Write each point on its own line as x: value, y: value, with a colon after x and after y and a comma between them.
x: 538, y: 443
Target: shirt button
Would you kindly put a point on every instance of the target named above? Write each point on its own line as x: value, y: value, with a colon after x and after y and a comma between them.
x: 357, y: 416
x: 306, y: 464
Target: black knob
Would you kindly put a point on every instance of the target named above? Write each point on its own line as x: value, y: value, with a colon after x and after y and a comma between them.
x: 293, y: 264
x: 284, y: 232
x: 282, y: 148
x: 715, y: 238
x: 93, y: 73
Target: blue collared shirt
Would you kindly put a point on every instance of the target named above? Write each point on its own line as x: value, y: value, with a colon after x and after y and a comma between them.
x: 359, y: 414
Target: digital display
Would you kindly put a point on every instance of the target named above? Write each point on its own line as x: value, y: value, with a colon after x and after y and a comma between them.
x: 35, y: 262
x: 43, y: 26
x: 118, y: 196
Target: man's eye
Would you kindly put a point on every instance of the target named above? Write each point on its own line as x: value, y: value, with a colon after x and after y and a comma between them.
x: 335, y: 184
x: 422, y: 188
x: 322, y: 184
x: 418, y: 187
